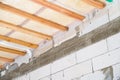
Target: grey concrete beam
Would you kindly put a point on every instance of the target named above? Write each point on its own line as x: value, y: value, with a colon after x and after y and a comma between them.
x: 67, y: 48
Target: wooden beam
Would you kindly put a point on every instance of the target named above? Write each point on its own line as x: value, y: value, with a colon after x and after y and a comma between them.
x: 1, y: 66
x: 12, y: 51
x: 13, y: 40
x: 6, y: 59
x: 59, y: 9
x: 24, y: 30
x: 95, y: 3
x: 32, y: 17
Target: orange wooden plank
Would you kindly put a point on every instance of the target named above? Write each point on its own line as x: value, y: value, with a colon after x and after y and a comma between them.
x: 13, y: 40
x: 25, y: 30
x: 6, y: 59
x: 12, y: 51
x: 95, y: 3
x: 32, y: 17
x: 59, y: 9
x: 1, y: 66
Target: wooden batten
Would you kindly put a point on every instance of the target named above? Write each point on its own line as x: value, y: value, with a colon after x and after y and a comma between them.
x: 25, y: 30
x: 12, y: 51
x: 4, y: 59
x: 95, y: 3
x: 32, y: 17
x: 59, y: 9
x: 20, y: 42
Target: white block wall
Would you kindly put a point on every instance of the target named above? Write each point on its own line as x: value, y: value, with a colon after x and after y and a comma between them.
x: 85, y: 64
x: 88, y: 63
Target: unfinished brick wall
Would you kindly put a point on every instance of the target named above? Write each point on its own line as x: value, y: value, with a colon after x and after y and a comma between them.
x: 100, y: 61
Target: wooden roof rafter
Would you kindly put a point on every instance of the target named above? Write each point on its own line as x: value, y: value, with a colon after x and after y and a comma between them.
x: 59, y: 9
x: 13, y: 40
x: 33, y: 17
x: 1, y: 66
x: 12, y: 51
x: 25, y: 30
x: 95, y: 3
x: 4, y: 59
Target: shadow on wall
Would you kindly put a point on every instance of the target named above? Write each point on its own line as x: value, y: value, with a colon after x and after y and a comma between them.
x: 12, y: 67
x: 108, y: 72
